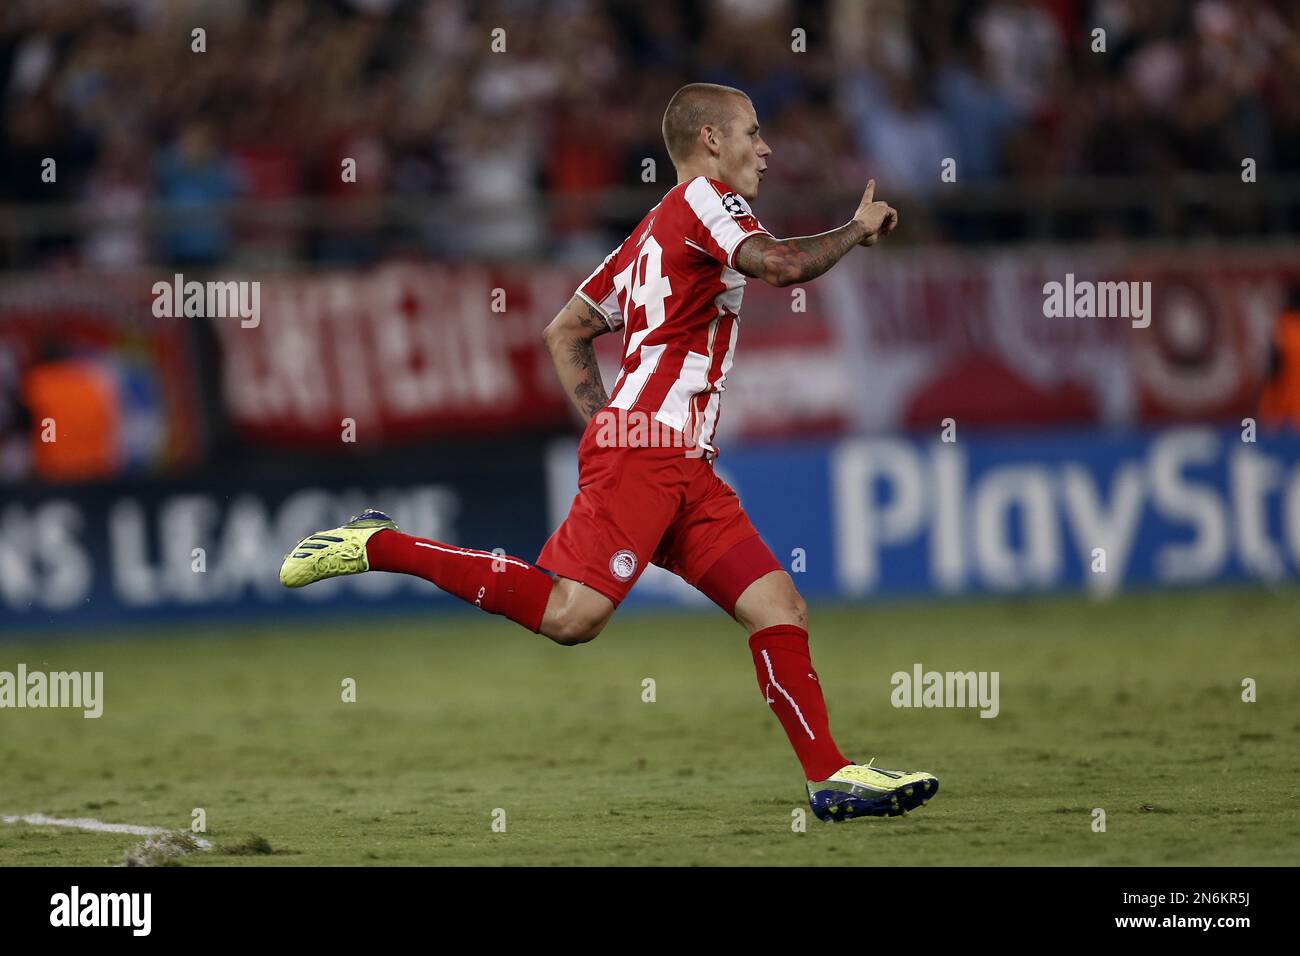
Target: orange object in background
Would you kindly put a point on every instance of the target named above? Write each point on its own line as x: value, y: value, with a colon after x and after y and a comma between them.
x: 1279, y: 404
x: 74, y: 402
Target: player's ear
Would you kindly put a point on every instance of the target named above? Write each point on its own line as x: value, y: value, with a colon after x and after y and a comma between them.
x: 711, y: 137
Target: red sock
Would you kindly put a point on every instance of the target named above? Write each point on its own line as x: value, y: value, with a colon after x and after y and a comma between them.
x: 497, y: 583
x: 789, y: 684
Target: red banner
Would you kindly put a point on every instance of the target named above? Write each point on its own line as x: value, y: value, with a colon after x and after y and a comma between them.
x: 884, y: 341
x: 396, y: 353
x: 975, y: 337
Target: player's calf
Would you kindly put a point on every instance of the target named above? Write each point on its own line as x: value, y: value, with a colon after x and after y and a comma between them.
x: 776, y: 617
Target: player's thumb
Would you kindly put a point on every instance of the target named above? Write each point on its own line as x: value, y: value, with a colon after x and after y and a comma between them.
x: 869, y: 195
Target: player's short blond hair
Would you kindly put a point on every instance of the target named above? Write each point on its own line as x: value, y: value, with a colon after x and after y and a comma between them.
x: 694, y: 106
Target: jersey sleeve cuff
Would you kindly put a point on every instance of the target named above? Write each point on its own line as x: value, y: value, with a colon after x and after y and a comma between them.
x: 599, y: 311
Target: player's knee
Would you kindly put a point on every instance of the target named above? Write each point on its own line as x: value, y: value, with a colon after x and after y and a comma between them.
x: 576, y: 627
x: 787, y: 606
x: 575, y: 614
x: 770, y: 602
x: 798, y: 609
x: 572, y: 633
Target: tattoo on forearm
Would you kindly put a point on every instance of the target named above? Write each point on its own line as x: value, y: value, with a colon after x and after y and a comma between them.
x: 590, y: 397
x: 589, y: 392
x: 825, y: 249
x: 802, y: 257
x: 582, y: 354
x: 569, y: 340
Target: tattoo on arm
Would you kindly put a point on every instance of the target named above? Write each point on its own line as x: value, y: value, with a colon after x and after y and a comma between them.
x: 591, y: 319
x: 569, y: 340
x: 790, y: 261
x: 588, y: 391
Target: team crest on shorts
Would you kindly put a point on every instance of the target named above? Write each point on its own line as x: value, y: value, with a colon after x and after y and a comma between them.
x: 623, y: 565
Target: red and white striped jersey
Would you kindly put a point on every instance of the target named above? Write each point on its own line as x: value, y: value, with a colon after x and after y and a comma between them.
x: 672, y: 290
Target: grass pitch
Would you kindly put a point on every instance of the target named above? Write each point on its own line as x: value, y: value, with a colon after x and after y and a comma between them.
x: 1133, y: 706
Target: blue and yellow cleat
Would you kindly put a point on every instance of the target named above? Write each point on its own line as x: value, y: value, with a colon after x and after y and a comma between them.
x: 864, y: 791
x: 328, y: 554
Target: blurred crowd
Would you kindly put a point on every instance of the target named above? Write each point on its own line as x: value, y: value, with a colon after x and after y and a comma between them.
x: 524, y: 133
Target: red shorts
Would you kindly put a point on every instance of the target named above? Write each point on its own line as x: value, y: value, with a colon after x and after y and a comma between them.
x: 657, y: 505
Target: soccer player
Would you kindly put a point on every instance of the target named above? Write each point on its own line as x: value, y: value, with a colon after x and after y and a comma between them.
x: 674, y: 288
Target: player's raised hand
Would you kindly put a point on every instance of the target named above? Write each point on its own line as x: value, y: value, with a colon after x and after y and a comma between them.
x: 880, y: 218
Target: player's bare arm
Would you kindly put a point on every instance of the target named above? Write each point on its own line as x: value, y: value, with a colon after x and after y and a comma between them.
x: 569, y: 340
x: 783, y: 262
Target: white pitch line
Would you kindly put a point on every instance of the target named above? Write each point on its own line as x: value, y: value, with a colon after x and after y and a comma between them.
x: 85, y: 823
